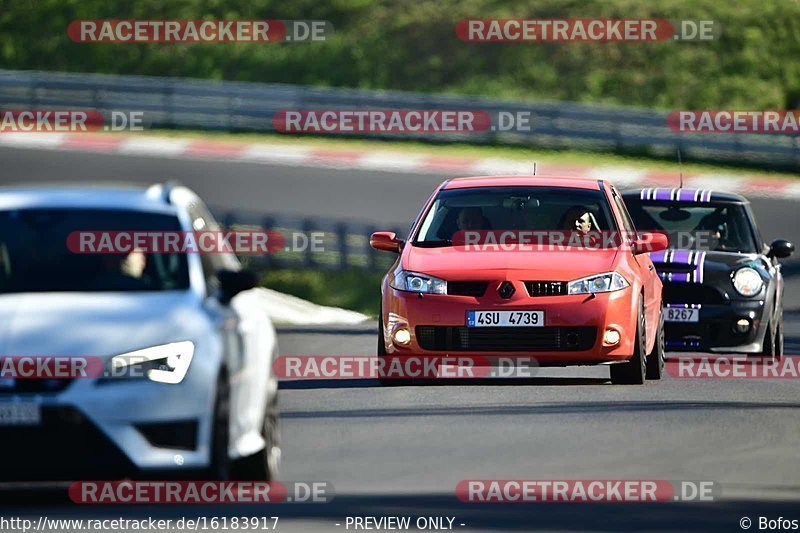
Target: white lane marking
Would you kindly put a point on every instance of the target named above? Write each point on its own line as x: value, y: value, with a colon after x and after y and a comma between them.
x: 495, y: 166
x: 287, y: 309
x: 276, y: 153
x: 390, y: 161
x: 153, y: 146
x: 716, y: 182
x: 791, y: 191
x: 33, y: 140
x: 622, y: 177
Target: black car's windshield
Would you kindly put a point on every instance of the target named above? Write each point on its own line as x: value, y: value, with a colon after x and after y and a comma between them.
x: 721, y: 227
x: 34, y: 256
x: 513, y: 208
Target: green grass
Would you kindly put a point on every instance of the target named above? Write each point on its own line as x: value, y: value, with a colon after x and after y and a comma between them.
x: 379, y: 44
x: 356, y: 290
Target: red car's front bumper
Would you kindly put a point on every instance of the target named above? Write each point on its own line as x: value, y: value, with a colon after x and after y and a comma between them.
x: 573, y: 330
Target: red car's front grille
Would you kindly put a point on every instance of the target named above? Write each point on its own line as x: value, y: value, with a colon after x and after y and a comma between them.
x: 467, y: 288
x: 501, y: 339
x: 546, y: 288
x: 691, y: 293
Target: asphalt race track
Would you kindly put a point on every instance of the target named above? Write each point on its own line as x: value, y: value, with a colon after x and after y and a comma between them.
x: 401, y: 451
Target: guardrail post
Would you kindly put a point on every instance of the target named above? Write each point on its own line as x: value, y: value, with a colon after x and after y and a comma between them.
x: 341, y: 236
x: 369, y: 251
x: 308, y: 256
x: 267, y: 224
x: 229, y: 220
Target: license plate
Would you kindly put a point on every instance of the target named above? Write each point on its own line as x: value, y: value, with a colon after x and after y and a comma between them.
x: 673, y: 314
x: 20, y: 414
x: 506, y: 319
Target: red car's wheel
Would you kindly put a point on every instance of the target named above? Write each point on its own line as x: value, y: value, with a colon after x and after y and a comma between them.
x: 655, y: 359
x: 633, y: 372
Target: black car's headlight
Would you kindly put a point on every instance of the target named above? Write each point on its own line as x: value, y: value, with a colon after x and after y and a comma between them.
x: 606, y: 282
x: 421, y: 283
x: 747, y: 281
x: 166, y: 363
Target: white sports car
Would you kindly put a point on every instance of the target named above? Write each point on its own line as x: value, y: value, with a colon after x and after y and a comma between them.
x: 214, y: 414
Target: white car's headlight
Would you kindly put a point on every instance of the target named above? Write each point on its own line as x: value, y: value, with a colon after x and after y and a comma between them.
x: 166, y: 363
x: 422, y: 283
x: 747, y: 281
x: 607, y: 282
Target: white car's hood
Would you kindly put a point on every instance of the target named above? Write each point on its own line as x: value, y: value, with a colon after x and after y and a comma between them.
x: 96, y: 324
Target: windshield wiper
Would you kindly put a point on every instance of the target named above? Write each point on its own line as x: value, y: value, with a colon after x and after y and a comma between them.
x: 434, y: 244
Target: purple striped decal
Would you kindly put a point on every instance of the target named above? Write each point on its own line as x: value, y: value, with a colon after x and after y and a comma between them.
x: 681, y: 257
x: 676, y: 195
x: 663, y: 194
x: 685, y: 306
x: 698, y: 271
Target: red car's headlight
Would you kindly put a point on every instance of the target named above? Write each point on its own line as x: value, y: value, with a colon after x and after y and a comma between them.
x: 606, y: 282
x: 421, y: 283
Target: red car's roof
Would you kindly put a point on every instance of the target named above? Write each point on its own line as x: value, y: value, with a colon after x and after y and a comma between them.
x: 524, y: 180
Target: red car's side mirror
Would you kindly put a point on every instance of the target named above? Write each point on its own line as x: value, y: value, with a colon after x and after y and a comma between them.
x: 386, y: 241
x: 650, y: 242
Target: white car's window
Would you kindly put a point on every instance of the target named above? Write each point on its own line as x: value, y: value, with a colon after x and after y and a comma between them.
x: 34, y: 256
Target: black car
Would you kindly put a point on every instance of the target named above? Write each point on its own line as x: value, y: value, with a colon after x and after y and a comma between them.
x: 723, y: 288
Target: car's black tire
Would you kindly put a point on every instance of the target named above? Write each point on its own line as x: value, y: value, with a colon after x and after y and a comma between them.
x: 769, y: 350
x: 655, y: 359
x: 263, y: 466
x: 772, y: 349
x: 220, y: 467
x: 633, y: 372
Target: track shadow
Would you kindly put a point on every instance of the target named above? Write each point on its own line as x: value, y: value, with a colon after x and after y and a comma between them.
x: 672, y: 516
x: 542, y: 409
x: 496, y: 382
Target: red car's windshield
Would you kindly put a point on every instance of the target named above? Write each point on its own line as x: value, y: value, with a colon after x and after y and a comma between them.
x: 515, y: 209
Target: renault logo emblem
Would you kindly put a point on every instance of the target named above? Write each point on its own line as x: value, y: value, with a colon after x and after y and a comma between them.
x: 506, y: 290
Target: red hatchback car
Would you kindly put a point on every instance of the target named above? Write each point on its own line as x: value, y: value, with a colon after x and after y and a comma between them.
x: 559, y: 303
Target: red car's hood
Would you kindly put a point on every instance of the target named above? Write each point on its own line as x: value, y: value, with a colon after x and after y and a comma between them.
x: 456, y: 263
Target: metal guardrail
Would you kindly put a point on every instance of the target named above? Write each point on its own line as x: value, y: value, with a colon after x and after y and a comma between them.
x: 339, y: 245
x: 243, y: 106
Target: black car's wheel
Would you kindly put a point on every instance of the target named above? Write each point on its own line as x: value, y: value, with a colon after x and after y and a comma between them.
x: 769, y: 350
x: 655, y: 359
x: 263, y: 466
x: 220, y: 467
x: 633, y: 372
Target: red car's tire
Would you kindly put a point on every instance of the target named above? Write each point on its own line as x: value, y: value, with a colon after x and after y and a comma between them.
x: 655, y: 359
x: 633, y: 372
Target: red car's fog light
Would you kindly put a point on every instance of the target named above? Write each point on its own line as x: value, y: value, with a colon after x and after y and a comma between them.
x: 401, y: 336
x: 611, y: 337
